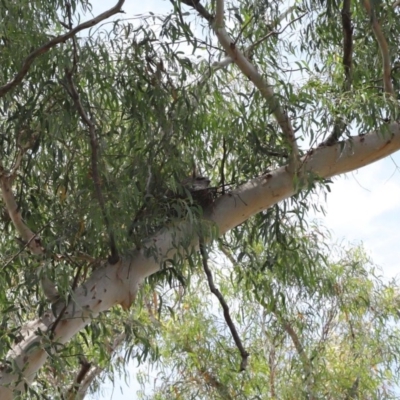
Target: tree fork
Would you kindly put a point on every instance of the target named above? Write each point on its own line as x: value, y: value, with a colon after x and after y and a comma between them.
x: 118, y: 284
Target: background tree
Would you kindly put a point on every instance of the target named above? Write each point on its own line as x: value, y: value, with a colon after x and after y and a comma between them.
x: 103, y: 122
x: 330, y: 334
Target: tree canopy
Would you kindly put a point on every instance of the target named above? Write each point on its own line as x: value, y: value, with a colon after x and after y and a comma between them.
x: 165, y: 163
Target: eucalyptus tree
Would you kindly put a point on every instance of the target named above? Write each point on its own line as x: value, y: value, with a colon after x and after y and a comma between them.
x: 329, y: 335
x: 104, y: 121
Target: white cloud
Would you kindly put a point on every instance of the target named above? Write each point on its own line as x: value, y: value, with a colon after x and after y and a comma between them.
x: 364, y: 207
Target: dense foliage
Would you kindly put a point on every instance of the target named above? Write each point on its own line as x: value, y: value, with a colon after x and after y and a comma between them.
x: 99, y: 135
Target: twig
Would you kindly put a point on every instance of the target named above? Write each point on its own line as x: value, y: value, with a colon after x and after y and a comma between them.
x: 222, y: 168
x: 226, y: 251
x: 251, y: 48
x: 199, y: 8
x: 383, y: 46
x: 114, y: 257
x: 228, y: 60
x: 243, y: 28
x: 26, y: 245
x: 244, y: 354
x: 54, y: 42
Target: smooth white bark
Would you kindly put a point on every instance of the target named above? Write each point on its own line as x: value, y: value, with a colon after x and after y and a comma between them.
x: 118, y: 284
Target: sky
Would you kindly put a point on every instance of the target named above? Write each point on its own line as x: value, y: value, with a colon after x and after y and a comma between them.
x: 362, y: 208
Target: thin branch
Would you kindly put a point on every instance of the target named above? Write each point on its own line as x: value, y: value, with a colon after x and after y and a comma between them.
x: 352, y: 393
x: 199, y: 8
x: 15, y: 214
x: 244, y: 354
x: 251, y: 48
x: 347, y: 27
x: 383, y: 46
x: 284, y: 14
x: 74, y: 45
x: 217, y: 65
x: 271, y: 364
x: 234, y: 55
x: 286, y: 325
x: 79, y: 389
x: 54, y: 42
x: 211, y: 380
x: 83, y: 372
x: 114, y: 257
x: 263, y: 86
x: 31, y: 240
x: 26, y: 246
x: 222, y: 168
x: 17, y: 164
x: 299, y: 348
x: 296, y: 341
x: 227, y: 252
x: 242, y: 29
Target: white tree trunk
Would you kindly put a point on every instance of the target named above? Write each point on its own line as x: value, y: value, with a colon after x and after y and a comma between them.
x: 116, y: 284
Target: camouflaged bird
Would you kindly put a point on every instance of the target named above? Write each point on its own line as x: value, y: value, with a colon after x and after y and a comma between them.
x: 199, y: 188
x: 196, y: 183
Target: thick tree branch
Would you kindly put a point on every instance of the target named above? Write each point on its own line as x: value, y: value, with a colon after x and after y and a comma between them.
x: 111, y: 285
x: 54, y: 42
x: 383, y: 46
x: 94, y: 144
x: 244, y: 354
